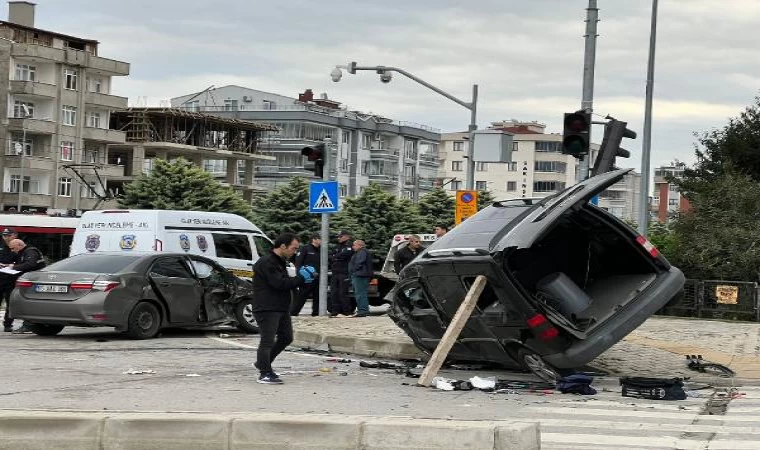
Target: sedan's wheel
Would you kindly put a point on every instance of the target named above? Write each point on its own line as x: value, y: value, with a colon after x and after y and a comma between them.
x: 246, y: 322
x: 144, y: 321
x: 533, y: 362
x: 41, y: 329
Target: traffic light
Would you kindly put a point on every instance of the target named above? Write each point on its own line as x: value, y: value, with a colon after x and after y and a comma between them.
x: 317, y: 155
x: 575, y: 135
x: 614, y: 132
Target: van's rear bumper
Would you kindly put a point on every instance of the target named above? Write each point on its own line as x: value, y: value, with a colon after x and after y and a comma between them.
x: 616, y: 328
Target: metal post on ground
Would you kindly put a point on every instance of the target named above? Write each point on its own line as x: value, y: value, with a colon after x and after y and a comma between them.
x: 325, y: 235
x: 646, y: 148
x: 589, y: 60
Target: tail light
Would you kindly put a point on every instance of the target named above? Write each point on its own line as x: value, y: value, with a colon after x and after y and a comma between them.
x: 648, y: 246
x: 541, y: 326
x: 102, y: 285
x: 24, y: 284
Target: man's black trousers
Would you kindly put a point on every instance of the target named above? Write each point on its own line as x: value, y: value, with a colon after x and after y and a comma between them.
x: 276, y: 333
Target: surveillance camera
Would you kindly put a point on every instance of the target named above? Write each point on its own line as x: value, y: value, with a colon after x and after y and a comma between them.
x: 386, y: 77
x: 336, y: 74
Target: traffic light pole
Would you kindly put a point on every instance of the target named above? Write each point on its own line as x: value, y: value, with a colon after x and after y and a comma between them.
x: 325, y: 235
x: 646, y: 148
x: 587, y: 102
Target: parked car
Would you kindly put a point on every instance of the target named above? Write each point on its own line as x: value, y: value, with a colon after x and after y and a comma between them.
x: 566, y: 280
x: 136, y: 293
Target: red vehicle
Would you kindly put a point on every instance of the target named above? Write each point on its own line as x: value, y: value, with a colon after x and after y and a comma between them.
x: 51, y: 235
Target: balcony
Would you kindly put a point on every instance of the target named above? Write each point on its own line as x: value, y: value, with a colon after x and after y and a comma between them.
x: 71, y: 57
x: 384, y: 179
x: 32, y: 125
x: 105, y: 100
x: 104, y: 135
x: 37, y: 51
x: 384, y: 153
x: 34, y: 88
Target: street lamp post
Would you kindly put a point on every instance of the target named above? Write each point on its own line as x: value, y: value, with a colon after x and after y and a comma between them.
x: 385, y: 77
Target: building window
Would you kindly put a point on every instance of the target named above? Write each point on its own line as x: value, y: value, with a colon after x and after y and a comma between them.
x: 481, y: 166
x: 673, y: 202
x: 17, y: 145
x: 344, y: 165
x: 549, y: 146
x: 91, y: 155
x: 456, y: 185
x: 456, y: 166
x: 673, y: 188
x: 96, y: 85
x: 366, y: 141
x: 365, y: 167
x: 193, y: 106
x: 70, y: 79
x: 481, y: 185
x: 89, y: 190
x: 511, y: 186
x: 512, y: 166
x: 20, y: 112
x: 93, y: 119
x: 345, y: 136
x: 548, y: 186
x: 25, y: 72
x: 655, y: 201
x: 269, y: 105
x: 458, y: 146
x: 514, y: 146
x: 342, y: 191
x: 230, y: 105
x: 69, y: 115
x: 550, y: 166
x: 64, y: 187
x: 67, y: 151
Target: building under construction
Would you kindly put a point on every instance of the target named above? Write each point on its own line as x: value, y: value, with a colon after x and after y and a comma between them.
x: 228, y: 148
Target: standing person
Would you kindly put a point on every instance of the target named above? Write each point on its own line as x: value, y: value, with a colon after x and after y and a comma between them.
x: 439, y: 230
x: 7, y: 282
x: 339, y: 283
x: 28, y: 259
x: 360, y: 268
x: 308, y: 255
x: 408, y: 253
x: 271, y: 303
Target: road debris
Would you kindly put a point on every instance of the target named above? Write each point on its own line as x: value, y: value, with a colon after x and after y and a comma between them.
x: 139, y: 372
x: 483, y: 383
x: 192, y: 375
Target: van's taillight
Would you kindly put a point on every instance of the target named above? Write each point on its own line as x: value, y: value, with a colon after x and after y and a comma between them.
x: 648, y: 246
x: 545, y: 330
x: 104, y: 286
x: 24, y: 283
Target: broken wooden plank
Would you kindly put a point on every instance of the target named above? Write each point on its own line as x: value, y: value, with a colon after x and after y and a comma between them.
x: 452, y: 332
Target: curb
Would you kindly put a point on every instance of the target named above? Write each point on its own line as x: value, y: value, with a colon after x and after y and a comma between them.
x: 32, y: 430
x: 372, y: 347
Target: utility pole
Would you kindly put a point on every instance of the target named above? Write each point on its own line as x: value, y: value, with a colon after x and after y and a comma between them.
x: 589, y: 59
x: 646, y: 148
x: 470, y: 179
x: 324, y: 234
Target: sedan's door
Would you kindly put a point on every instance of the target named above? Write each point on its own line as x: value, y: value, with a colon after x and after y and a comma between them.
x: 172, y: 280
x: 217, y: 285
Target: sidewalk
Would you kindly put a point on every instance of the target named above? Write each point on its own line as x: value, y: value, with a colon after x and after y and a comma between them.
x: 657, y: 348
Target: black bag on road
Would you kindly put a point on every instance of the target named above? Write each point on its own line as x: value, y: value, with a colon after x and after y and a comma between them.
x: 653, y: 388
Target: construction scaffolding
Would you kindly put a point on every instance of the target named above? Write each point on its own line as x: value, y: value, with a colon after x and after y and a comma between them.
x: 196, y: 129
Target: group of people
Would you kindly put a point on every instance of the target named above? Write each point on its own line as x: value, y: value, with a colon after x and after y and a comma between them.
x: 273, y: 304
x: 20, y: 258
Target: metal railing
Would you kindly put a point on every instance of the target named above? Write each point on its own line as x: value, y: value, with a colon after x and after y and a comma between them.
x: 716, y: 299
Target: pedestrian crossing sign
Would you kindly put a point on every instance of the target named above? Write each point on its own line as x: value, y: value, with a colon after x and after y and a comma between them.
x: 323, y: 197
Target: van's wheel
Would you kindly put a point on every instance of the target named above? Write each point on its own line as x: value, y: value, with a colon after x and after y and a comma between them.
x: 246, y: 322
x: 536, y: 364
x: 41, y: 329
x: 144, y: 321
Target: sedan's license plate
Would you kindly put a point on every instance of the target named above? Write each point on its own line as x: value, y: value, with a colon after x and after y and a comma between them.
x: 50, y: 288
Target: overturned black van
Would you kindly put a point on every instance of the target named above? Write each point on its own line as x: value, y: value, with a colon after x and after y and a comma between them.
x: 566, y: 281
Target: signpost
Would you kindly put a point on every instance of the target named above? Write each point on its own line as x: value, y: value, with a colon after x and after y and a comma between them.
x: 467, y: 205
x: 323, y: 199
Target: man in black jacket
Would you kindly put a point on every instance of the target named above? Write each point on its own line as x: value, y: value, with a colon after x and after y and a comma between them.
x: 361, y: 272
x: 339, y: 283
x: 7, y: 282
x: 408, y: 253
x: 28, y: 259
x: 271, y: 302
x: 308, y: 255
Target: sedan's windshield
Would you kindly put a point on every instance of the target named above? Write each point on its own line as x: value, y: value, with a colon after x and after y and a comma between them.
x: 93, y: 263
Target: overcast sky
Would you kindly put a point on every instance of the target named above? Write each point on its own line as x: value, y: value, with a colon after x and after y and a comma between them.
x: 526, y: 56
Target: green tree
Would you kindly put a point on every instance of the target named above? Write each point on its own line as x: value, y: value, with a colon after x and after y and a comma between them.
x: 286, y: 210
x: 437, y: 207
x: 485, y: 198
x: 179, y: 185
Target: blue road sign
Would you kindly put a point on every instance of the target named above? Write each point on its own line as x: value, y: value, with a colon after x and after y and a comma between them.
x: 323, y: 197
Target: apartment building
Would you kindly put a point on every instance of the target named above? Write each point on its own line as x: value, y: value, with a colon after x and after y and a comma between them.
x: 56, y: 123
x: 667, y: 200
x: 402, y: 157
x: 538, y: 168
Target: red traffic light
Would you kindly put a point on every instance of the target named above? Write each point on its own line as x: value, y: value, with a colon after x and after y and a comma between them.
x: 576, y: 123
x: 575, y: 135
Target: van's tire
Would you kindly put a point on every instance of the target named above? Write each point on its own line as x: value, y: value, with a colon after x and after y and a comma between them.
x: 144, y: 321
x: 533, y: 362
x: 41, y: 329
x: 244, y: 318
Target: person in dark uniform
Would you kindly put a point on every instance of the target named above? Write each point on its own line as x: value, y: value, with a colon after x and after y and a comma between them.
x: 28, y: 259
x: 308, y: 255
x: 340, y: 282
x: 7, y: 282
x: 408, y: 253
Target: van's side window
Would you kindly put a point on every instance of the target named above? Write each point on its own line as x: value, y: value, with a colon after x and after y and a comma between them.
x: 263, y: 245
x: 235, y: 246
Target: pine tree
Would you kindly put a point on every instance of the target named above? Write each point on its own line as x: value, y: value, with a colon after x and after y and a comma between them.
x: 286, y: 210
x: 437, y: 207
x: 485, y: 198
x: 179, y: 185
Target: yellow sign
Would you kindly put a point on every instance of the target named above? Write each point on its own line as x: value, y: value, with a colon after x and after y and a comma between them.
x: 727, y: 295
x: 467, y: 205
